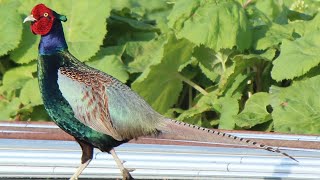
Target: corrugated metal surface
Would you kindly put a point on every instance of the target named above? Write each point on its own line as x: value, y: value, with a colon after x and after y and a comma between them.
x: 28, y: 158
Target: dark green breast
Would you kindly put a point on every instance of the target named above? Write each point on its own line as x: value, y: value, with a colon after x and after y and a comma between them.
x: 59, y: 109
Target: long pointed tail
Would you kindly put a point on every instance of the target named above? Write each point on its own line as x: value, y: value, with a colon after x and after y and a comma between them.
x: 185, y: 131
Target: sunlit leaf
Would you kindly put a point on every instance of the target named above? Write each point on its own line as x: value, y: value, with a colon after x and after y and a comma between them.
x: 17, y: 77
x: 109, y: 61
x: 8, y: 109
x: 255, y: 111
x: 10, y: 25
x: 297, y: 57
x: 267, y: 36
x: 28, y: 47
x: 145, y: 54
x: 229, y: 107
x: 214, y: 24
x: 205, y: 103
x: 296, y: 109
x: 30, y: 94
x: 163, y: 78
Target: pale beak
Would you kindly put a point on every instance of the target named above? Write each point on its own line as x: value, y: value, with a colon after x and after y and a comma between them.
x: 29, y: 18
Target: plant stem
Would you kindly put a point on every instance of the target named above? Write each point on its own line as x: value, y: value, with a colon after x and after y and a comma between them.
x: 257, y: 78
x: 250, y: 84
x: 190, y: 97
x: 183, y: 95
x: 246, y: 4
x: 219, y: 56
x: 192, y: 84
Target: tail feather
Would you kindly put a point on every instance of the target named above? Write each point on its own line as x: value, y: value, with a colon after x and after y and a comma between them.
x: 185, y: 131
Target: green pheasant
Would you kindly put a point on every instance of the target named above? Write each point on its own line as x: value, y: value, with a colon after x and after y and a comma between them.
x: 95, y: 108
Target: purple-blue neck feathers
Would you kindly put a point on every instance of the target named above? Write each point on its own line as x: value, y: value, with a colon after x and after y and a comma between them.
x: 54, y: 41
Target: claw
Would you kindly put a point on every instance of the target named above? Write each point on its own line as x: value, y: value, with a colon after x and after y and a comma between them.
x: 126, y: 174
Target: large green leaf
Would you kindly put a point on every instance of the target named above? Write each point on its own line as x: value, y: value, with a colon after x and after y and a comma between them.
x: 145, y: 54
x: 217, y: 66
x: 228, y: 108
x: 30, y: 94
x: 255, y: 111
x: 162, y: 85
x: 297, y: 57
x: 16, y: 78
x: 84, y: 30
x: 296, y: 109
x: 8, y: 109
x: 28, y: 48
x: 202, y: 112
x: 303, y: 28
x: 271, y: 8
x: 122, y: 32
x: 210, y: 64
x: 83, y: 36
x: 133, y: 23
x: 235, y: 85
x: 267, y: 36
x: 149, y: 11
x: 109, y: 61
x: 205, y: 103
x: 214, y: 24
x: 10, y: 25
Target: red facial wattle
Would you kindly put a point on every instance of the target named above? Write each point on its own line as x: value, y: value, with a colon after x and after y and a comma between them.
x: 44, y: 19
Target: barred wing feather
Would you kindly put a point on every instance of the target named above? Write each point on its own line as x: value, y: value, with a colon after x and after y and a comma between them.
x: 106, y: 105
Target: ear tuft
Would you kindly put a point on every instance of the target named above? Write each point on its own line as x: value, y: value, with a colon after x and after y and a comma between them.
x: 62, y: 18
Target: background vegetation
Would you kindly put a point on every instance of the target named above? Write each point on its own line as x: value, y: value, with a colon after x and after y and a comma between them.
x: 232, y: 64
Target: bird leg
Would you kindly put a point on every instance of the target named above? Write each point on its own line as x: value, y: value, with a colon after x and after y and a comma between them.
x: 79, y: 170
x: 125, y: 172
x: 87, y: 154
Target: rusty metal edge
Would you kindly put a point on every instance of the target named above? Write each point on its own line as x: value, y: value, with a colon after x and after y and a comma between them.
x: 24, y: 130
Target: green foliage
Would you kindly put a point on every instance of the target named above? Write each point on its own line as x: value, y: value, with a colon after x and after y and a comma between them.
x: 8, y: 25
x: 255, y: 111
x: 28, y: 95
x: 83, y: 39
x: 209, y: 23
x: 297, y: 57
x: 231, y: 64
x: 228, y: 109
x: 296, y: 108
x: 16, y: 78
x: 142, y: 60
x: 9, y: 108
x: 167, y: 88
x: 109, y: 60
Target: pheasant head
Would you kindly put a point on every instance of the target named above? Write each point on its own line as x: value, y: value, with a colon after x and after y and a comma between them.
x: 47, y: 23
x: 42, y: 19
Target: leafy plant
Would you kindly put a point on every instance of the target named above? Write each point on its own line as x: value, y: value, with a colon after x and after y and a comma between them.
x: 231, y: 64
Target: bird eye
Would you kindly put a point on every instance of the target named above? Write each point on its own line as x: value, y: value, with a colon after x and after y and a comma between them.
x: 45, y: 14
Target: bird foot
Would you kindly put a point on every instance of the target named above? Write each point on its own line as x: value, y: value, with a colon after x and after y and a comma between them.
x: 126, y: 174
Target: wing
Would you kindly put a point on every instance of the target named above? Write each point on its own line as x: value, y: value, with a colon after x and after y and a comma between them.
x: 87, y: 99
x: 105, y: 104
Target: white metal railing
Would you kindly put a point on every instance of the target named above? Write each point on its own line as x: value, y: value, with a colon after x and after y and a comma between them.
x: 20, y: 158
